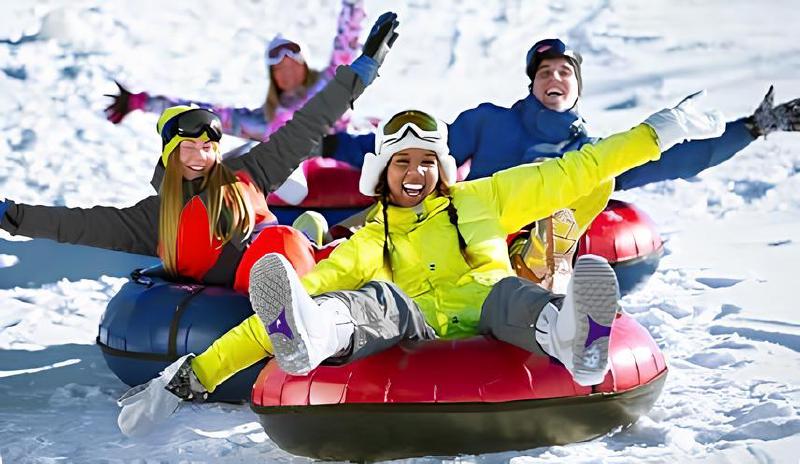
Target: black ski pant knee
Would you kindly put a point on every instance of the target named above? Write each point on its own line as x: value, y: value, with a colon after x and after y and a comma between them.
x: 511, y: 310
x: 383, y: 315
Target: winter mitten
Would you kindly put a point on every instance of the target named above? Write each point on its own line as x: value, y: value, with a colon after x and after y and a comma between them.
x: 145, y: 406
x: 685, y: 122
x: 769, y: 118
x: 124, y: 103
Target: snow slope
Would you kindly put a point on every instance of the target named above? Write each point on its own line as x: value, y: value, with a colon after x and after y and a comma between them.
x: 721, y: 306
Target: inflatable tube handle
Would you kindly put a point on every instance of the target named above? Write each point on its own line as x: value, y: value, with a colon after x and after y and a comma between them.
x: 138, y: 277
x: 172, y: 344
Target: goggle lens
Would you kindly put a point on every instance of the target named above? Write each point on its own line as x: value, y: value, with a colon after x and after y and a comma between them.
x: 288, y: 46
x: 192, y: 124
x: 422, y: 120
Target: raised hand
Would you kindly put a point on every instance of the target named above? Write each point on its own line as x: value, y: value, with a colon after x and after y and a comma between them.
x: 124, y: 103
x: 381, y: 37
x: 380, y: 40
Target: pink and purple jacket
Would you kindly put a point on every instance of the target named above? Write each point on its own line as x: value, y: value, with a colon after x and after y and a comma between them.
x: 252, y: 123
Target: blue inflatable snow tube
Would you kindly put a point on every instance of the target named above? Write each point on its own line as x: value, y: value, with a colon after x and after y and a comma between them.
x: 152, y: 322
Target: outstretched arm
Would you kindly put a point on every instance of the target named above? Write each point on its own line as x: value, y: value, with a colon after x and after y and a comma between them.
x: 690, y: 158
x: 133, y: 229
x: 345, y: 43
x: 239, y: 122
x: 529, y: 192
x: 270, y: 163
x: 559, y: 182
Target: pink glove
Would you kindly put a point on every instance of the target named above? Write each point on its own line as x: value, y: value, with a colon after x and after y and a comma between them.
x: 124, y: 103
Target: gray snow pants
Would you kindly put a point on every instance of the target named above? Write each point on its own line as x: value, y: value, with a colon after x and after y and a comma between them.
x: 384, y: 316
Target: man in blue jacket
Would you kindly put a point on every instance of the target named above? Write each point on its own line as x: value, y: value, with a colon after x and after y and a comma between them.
x: 546, y: 123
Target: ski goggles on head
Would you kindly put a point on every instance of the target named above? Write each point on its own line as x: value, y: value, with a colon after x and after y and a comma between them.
x: 276, y: 54
x: 422, y: 125
x: 191, y: 124
x: 548, y: 48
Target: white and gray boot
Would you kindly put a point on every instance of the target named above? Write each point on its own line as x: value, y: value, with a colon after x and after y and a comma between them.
x: 303, y: 333
x: 145, y: 406
x: 578, y: 334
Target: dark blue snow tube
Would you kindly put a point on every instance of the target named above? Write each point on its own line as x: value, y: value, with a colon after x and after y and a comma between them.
x: 287, y: 214
x: 152, y: 322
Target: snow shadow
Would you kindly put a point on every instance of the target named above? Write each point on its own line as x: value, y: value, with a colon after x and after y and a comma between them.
x: 777, y: 336
x: 28, y: 377
x: 45, y: 261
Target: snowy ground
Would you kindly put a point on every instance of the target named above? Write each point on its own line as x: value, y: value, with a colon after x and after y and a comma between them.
x: 721, y: 306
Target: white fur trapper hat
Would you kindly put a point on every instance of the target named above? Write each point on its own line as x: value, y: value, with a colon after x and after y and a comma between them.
x: 409, y: 136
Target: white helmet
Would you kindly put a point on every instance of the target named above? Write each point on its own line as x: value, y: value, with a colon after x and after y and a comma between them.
x: 407, y: 129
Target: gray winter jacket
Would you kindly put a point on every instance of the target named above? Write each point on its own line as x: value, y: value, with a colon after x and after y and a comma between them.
x: 135, y: 229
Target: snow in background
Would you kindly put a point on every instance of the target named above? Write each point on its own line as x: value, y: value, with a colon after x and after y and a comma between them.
x: 722, y: 305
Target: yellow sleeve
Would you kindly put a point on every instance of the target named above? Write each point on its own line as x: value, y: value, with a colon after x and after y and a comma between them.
x: 349, y: 267
x: 527, y: 193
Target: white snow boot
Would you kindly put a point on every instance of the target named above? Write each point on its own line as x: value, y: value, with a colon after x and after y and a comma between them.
x: 146, y: 405
x: 578, y: 334
x: 303, y: 333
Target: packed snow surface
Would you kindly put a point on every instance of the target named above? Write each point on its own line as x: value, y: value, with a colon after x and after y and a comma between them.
x: 722, y: 306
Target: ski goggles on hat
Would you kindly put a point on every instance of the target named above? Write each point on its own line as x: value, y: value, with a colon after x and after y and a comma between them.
x: 422, y: 125
x: 191, y: 124
x: 290, y: 49
x: 549, y: 48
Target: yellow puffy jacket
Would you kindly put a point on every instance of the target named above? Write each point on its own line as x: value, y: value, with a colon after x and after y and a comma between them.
x: 426, y: 262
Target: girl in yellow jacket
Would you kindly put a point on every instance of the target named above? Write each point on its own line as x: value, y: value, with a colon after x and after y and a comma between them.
x: 432, y: 261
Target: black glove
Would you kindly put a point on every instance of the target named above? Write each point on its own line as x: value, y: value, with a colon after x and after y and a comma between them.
x: 768, y: 118
x: 381, y: 37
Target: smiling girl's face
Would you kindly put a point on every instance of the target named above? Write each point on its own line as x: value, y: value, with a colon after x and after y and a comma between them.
x: 197, y: 158
x: 412, y: 175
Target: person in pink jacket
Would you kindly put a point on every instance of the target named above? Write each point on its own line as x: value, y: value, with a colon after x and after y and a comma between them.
x: 291, y: 84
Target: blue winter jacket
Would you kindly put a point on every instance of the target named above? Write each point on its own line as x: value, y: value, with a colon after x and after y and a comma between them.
x: 497, y: 138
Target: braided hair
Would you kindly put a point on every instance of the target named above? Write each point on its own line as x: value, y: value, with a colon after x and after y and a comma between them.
x: 452, y: 213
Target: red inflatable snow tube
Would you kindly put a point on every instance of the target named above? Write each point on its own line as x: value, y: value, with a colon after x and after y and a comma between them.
x: 451, y: 397
x: 626, y: 237
x: 332, y: 191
